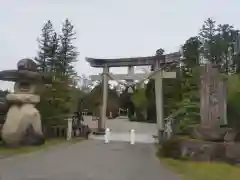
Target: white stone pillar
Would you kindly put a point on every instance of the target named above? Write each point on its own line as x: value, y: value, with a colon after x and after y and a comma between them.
x: 159, y: 103
x: 158, y: 77
x: 104, y: 98
x: 69, y: 130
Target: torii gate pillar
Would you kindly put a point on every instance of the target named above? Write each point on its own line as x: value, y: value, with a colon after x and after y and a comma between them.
x: 158, y: 78
x: 102, y: 119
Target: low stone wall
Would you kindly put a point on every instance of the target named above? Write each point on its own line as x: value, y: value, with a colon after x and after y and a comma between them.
x: 55, y: 131
x: 61, y: 132
x: 233, y: 152
x: 196, y: 150
x: 202, y: 150
x: 210, y: 151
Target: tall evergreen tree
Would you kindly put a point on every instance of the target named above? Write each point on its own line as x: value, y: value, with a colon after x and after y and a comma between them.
x: 191, y: 52
x: 45, y: 46
x: 63, y: 66
x: 208, y: 38
x: 227, y: 36
x: 52, y: 61
x: 67, y: 51
x: 56, y: 57
x: 218, y: 44
x: 187, y: 109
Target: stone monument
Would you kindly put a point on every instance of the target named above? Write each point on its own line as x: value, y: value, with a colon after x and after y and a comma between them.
x: 213, y: 105
x: 23, y: 121
x: 214, y: 139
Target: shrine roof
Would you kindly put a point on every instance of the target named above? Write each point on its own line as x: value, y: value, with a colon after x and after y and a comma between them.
x: 134, y: 61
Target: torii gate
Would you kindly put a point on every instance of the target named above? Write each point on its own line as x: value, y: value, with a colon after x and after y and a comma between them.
x: 158, y: 75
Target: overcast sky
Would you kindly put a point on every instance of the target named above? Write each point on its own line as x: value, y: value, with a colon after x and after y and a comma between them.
x: 108, y: 28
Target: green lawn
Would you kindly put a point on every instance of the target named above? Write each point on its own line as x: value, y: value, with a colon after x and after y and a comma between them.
x: 5, y: 151
x: 203, y: 171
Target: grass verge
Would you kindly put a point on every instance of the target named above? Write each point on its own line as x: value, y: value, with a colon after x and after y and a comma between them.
x: 6, y: 152
x: 203, y: 170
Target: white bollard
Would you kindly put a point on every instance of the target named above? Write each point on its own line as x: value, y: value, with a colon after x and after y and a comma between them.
x: 106, y: 136
x: 132, y: 136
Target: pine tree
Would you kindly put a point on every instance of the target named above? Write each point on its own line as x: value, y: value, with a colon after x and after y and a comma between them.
x: 227, y: 37
x: 45, y: 46
x: 52, y: 101
x: 186, y: 98
x: 63, y: 66
x: 53, y: 61
x: 67, y: 51
x: 191, y: 52
x: 208, y: 39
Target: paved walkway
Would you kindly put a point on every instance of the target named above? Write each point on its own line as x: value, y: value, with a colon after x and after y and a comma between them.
x: 87, y: 160
x: 120, y: 130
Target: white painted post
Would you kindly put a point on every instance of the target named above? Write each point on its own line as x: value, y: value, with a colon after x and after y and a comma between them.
x: 69, y: 129
x: 132, y: 136
x: 104, y: 100
x: 107, y: 135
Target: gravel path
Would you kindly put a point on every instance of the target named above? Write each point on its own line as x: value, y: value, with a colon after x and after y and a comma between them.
x: 87, y: 160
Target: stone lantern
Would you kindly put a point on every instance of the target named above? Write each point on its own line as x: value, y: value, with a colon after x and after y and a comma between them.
x: 23, y: 121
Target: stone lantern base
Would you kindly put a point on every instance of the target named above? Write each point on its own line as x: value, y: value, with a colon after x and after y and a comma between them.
x: 22, y: 126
